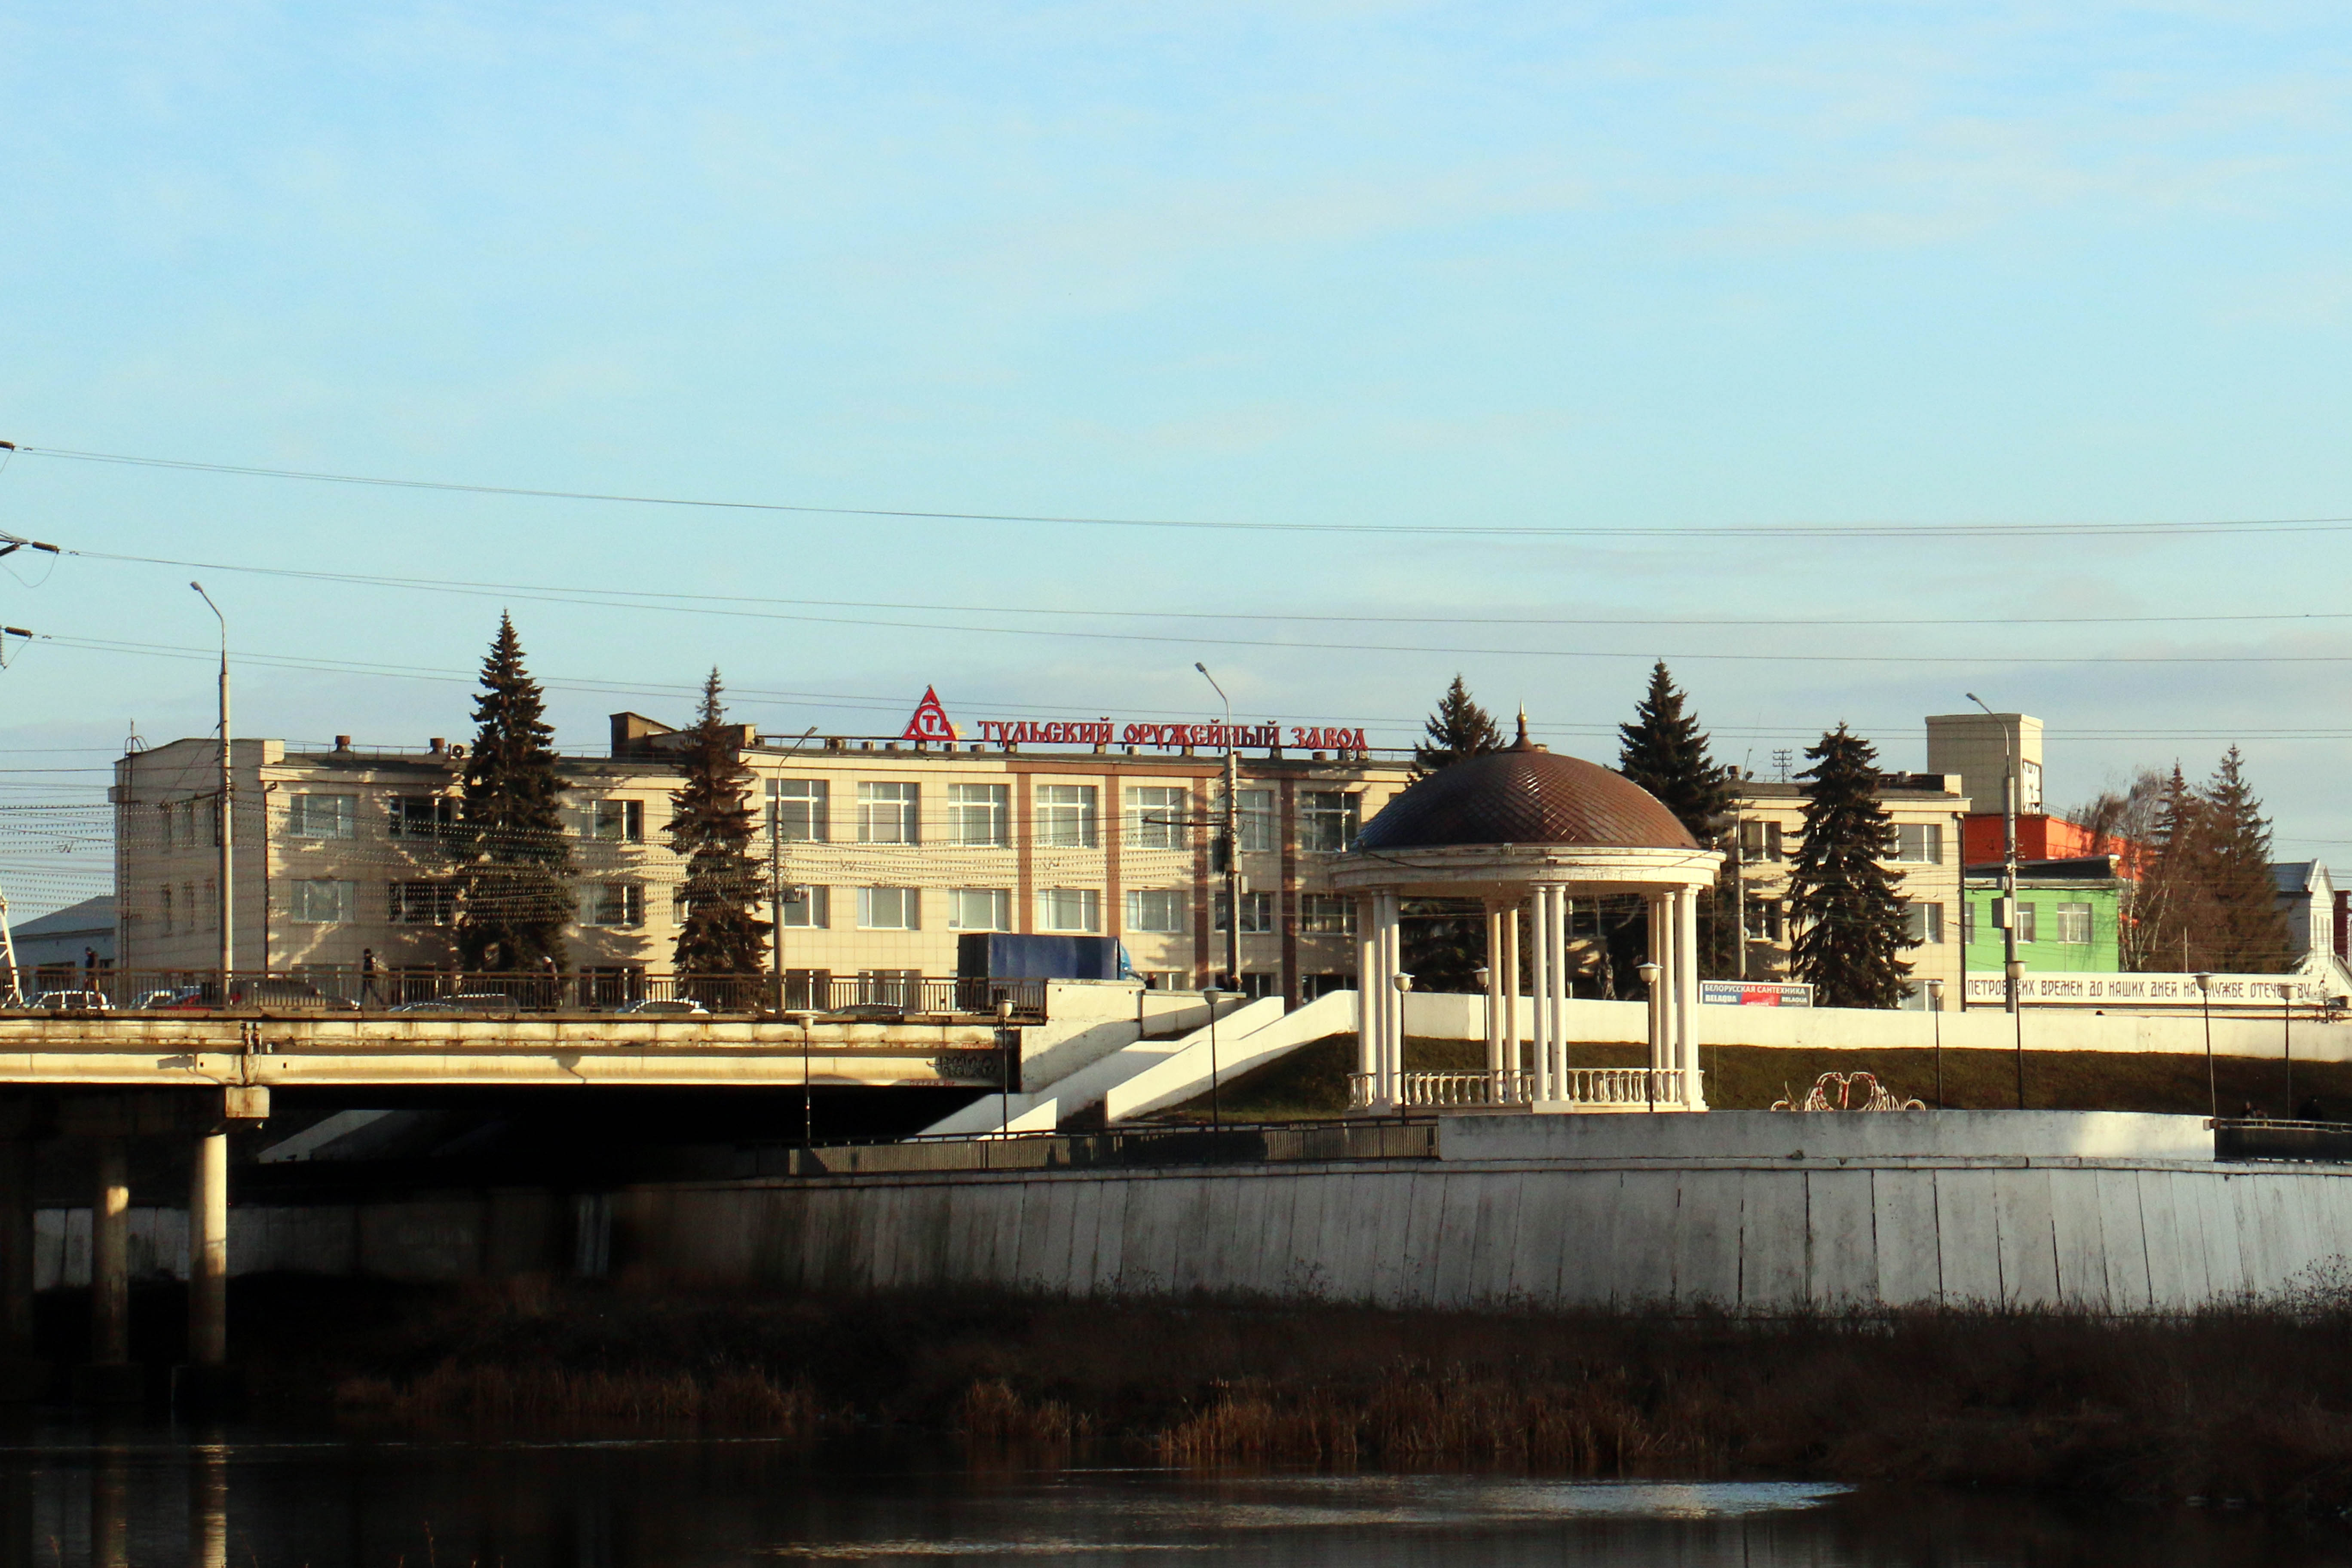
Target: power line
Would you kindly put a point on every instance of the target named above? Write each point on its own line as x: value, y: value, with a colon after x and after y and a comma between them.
x: 649, y: 599
x: 1749, y: 531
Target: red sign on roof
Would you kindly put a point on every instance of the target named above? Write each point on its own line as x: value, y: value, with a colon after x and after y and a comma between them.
x: 931, y: 720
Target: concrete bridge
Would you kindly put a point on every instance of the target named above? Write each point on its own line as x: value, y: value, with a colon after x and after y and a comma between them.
x: 103, y: 1089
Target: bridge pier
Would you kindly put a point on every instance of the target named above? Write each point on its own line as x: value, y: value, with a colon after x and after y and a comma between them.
x: 21, y: 1373
x: 110, y: 1378
x: 208, y: 1252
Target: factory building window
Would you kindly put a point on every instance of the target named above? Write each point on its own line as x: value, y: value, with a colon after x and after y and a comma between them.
x: 321, y: 815
x: 164, y: 911
x: 1759, y: 842
x: 1919, y: 843
x: 1158, y: 911
x: 798, y: 807
x: 613, y: 821
x: 1326, y: 915
x: 1328, y: 820
x: 1763, y: 920
x: 421, y: 816
x: 2025, y: 921
x: 980, y: 817
x: 1069, y: 909
x: 1257, y: 914
x: 890, y: 908
x: 807, y: 907
x: 1923, y: 922
x: 2074, y: 923
x: 424, y: 903
x: 1156, y: 818
x: 1066, y: 816
x: 613, y: 904
x: 1261, y: 823
x: 889, y: 813
x: 322, y: 900
x: 979, y: 909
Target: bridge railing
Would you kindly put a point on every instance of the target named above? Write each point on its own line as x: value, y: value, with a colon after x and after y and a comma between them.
x: 878, y: 996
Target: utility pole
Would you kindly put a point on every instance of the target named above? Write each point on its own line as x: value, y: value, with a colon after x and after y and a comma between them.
x: 2010, y: 964
x: 227, y: 816
x: 1232, y: 842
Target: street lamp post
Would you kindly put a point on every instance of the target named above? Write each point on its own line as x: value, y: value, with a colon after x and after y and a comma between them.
x: 227, y: 816
x: 1216, y: 1122
x: 1232, y: 842
x: 1649, y: 971
x: 2212, y: 1089
x: 1935, y: 1005
x: 2286, y: 1041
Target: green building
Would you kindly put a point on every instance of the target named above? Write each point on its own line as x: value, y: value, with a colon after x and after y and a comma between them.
x: 2069, y: 915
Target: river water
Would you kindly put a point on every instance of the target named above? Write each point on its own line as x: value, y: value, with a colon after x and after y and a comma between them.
x: 73, y: 1496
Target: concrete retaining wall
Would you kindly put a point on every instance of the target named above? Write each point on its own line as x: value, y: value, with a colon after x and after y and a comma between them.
x: 1746, y: 1210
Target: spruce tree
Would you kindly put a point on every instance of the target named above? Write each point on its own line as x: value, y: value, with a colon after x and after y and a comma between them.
x: 1850, y: 934
x: 711, y: 826
x: 514, y: 859
x: 2247, y: 930
x: 1459, y: 729
x: 1664, y: 751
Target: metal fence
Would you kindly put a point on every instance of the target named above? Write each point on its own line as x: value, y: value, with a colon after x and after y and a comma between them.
x: 883, y: 996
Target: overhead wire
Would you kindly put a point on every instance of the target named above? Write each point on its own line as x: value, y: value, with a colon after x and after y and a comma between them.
x: 1568, y: 531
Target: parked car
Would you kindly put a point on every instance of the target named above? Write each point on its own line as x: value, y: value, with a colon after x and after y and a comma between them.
x: 666, y: 1009
x: 288, y: 993
x: 72, y: 1002
x: 176, y: 999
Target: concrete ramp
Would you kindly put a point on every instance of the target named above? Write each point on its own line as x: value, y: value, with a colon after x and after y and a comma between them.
x: 1247, y: 1041
x: 1151, y: 1075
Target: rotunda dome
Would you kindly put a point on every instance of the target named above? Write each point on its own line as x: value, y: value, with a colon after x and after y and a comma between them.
x: 1525, y: 794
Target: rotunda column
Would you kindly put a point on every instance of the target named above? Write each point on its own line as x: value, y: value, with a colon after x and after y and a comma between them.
x: 1556, y: 1003
x: 1542, y: 960
x: 1688, y: 1012
x: 1389, y: 1086
x: 1369, y: 986
x: 1660, y: 921
x: 1494, y: 1055
x: 1511, y: 960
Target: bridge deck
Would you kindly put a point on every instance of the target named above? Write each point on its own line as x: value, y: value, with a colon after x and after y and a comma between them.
x: 160, y: 1050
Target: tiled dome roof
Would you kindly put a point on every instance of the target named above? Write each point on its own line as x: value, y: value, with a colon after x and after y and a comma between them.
x: 1525, y: 794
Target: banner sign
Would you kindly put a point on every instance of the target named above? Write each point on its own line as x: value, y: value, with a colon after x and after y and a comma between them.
x: 1169, y: 737
x: 1754, y: 994
x: 2236, y: 991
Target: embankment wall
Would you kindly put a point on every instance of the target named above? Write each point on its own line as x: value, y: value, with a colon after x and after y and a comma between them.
x: 1748, y: 1211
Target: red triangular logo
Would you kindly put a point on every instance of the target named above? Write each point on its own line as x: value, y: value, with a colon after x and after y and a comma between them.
x: 931, y: 720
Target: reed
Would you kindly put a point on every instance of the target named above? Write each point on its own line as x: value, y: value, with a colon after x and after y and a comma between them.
x: 555, y: 1398
x: 2251, y: 1403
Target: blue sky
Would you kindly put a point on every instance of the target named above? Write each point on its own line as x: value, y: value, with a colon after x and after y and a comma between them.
x: 1671, y: 266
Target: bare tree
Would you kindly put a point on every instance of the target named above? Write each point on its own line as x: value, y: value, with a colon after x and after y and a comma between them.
x: 2128, y: 824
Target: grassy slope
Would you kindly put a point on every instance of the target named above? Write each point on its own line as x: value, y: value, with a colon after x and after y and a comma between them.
x: 1312, y: 1081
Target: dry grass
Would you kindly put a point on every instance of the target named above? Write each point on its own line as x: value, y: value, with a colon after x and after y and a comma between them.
x: 2227, y: 1404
